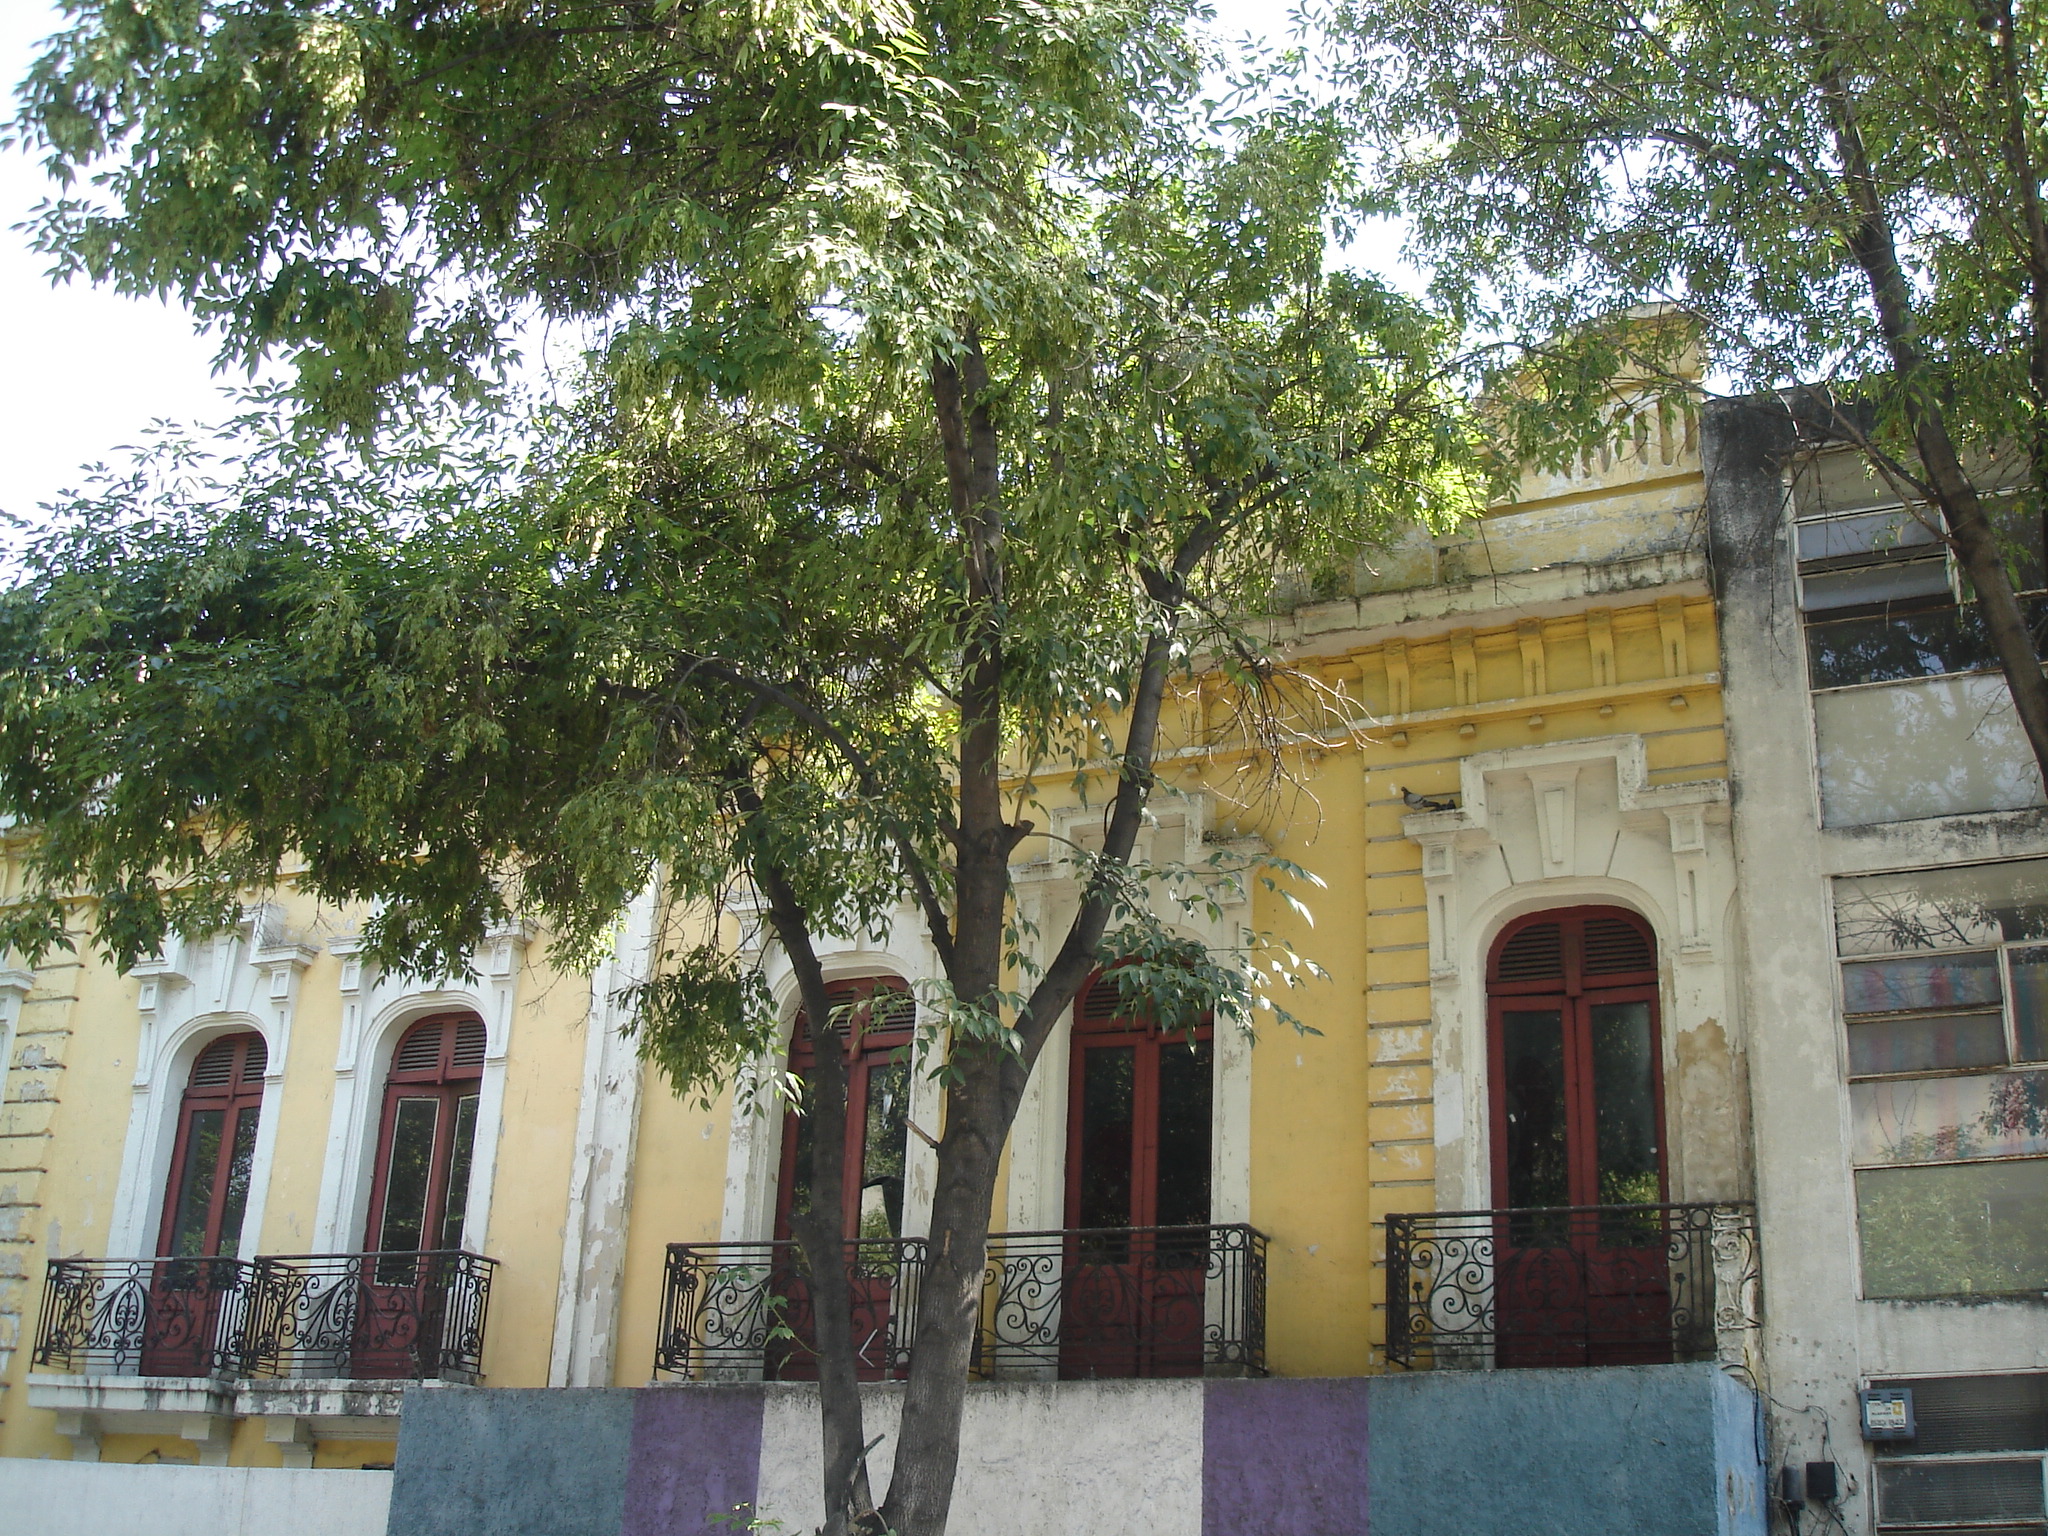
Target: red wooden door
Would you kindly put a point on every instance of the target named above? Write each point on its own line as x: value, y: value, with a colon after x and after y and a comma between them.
x: 876, y: 1027
x: 1577, y: 1100
x: 425, y: 1144
x: 1138, y: 1131
x: 192, y: 1301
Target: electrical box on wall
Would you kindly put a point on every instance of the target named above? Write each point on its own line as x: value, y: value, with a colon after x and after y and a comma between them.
x: 1887, y: 1413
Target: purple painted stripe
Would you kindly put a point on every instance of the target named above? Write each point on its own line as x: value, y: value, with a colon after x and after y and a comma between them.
x: 696, y: 1455
x: 1284, y: 1458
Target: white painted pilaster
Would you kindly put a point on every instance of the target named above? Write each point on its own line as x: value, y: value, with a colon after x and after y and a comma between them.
x: 585, y: 1350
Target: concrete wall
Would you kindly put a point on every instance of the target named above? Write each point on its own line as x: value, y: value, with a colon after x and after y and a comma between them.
x: 76, y: 1498
x: 1669, y: 1449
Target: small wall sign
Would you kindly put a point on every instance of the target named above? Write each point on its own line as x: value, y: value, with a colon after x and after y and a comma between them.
x: 1887, y: 1413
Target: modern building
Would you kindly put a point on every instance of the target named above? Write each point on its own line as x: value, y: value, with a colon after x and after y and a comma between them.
x: 1892, y: 855
x: 1608, y: 981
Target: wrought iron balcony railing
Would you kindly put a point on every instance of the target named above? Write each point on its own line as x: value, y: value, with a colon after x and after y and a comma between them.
x: 144, y: 1317
x: 1114, y: 1302
x: 366, y: 1316
x: 369, y: 1316
x: 1566, y: 1286
x: 744, y: 1309
x: 1126, y: 1301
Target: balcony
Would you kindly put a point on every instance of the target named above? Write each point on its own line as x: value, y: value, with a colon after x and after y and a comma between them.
x: 1106, y: 1303
x: 1572, y: 1286
x: 369, y: 1316
x: 144, y: 1317
x: 359, y: 1316
x: 316, y: 1346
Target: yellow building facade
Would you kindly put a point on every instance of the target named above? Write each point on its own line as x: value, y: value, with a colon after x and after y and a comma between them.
x: 1519, y: 730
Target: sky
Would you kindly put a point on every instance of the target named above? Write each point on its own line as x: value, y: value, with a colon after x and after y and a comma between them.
x: 88, y: 370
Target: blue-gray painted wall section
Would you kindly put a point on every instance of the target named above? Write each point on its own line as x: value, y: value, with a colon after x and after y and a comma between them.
x: 507, y: 1461
x: 1553, y: 1453
x: 1739, y: 1449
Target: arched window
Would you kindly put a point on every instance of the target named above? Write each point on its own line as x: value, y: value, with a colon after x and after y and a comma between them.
x: 1577, y: 1089
x: 209, y: 1188
x: 876, y: 1019
x: 1138, y: 1118
x: 427, y: 1136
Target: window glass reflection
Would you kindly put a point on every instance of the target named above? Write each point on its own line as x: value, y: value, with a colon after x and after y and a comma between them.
x: 1941, y: 1119
x: 1930, y: 1043
x: 1954, y: 1229
x: 457, y: 1205
x: 1625, y: 1102
x: 407, y: 1175
x: 195, y: 1183
x: 241, y: 1157
x: 1184, y: 1086
x: 2029, y: 1003
x: 884, y: 1144
x: 1108, y: 1119
x: 1533, y: 1046
x: 1960, y: 906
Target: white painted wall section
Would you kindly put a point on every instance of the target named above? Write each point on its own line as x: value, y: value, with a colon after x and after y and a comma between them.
x: 82, y: 1498
x: 1040, y: 1456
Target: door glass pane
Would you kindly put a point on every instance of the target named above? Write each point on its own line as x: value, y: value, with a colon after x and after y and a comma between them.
x: 1941, y: 1119
x: 240, y: 1159
x: 2030, y: 1003
x: 1533, y: 1093
x: 1625, y: 1102
x: 1954, y: 1229
x: 1936, y: 981
x: 195, y: 1183
x: 407, y: 1175
x: 1930, y: 1043
x: 1108, y: 1094
x: 800, y: 1173
x: 884, y: 1142
x: 457, y: 1204
x: 1184, y: 1079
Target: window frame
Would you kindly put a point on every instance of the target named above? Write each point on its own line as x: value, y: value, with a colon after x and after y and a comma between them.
x: 872, y: 1048
x: 448, y: 1083
x: 1114, y: 1030
x: 239, y: 1096
x: 1576, y: 995
x: 1899, y: 1454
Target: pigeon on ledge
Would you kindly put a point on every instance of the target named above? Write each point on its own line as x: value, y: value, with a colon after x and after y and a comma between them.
x: 1417, y: 802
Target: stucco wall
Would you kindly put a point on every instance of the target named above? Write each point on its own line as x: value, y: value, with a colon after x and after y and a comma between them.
x: 67, y: 1498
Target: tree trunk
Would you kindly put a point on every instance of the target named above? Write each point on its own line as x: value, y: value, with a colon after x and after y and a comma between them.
x: 949, y: 1296
x: 982, y: 1103
x: 1969, y: 529
x: 2025, y: 181
x: 821, y: 1231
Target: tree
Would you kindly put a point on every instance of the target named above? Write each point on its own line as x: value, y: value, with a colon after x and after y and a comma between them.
x: 930, y: 441
x: 1840, y: 192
